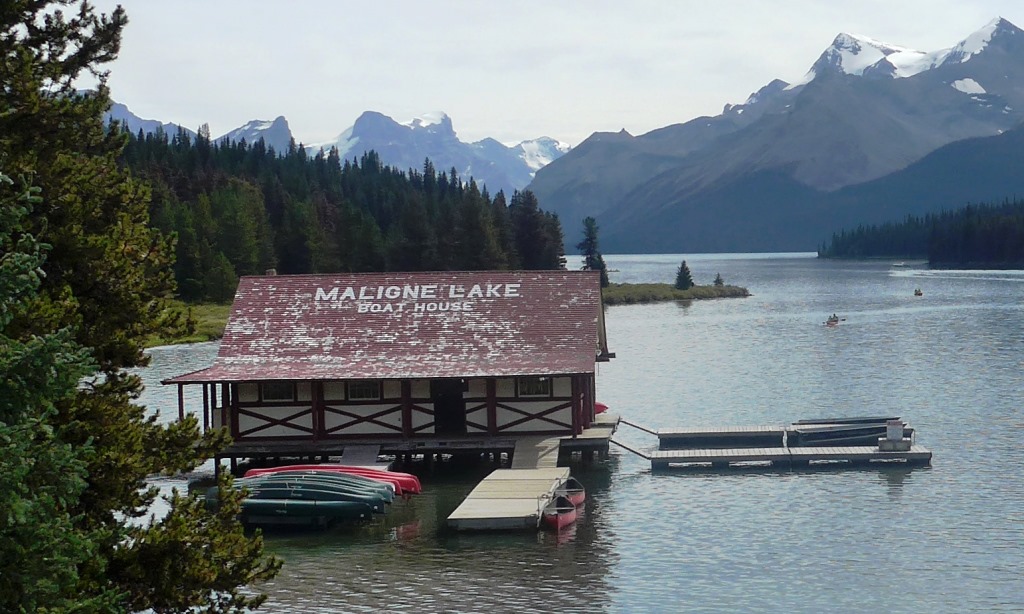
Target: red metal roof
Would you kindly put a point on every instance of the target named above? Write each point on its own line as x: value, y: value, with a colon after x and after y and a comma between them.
x: 409, y: 325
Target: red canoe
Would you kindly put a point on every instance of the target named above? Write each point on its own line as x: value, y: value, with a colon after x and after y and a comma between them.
x: 600, y: 408
x: 403, y: 482
x: 559, y: 514
x: 572, y: 490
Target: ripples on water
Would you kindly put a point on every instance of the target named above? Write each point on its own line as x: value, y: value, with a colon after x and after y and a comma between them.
x: 942, y: 539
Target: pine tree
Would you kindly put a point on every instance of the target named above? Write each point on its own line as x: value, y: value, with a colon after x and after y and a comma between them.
x: 718, y: 280
x: 684, y: 281
x: 108, y: 276
x: 592, y: 258
x: 41, y: 549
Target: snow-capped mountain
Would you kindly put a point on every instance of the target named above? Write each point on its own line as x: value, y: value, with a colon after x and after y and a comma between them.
x: 401, y: 145
x: 135, y: 123
x: 757, y: 176
x: 407, y: 145
x: 274, y: 133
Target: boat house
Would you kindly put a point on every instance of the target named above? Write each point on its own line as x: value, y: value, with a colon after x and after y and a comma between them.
x: 409, y: 363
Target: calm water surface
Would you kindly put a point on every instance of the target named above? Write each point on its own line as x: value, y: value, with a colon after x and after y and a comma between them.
x: 948, y: 538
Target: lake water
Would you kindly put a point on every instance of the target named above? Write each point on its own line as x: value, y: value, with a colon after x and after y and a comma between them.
x: 945, y: 538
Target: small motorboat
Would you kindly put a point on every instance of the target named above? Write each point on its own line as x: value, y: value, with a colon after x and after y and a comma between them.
x: 833, y: 320
x: 559, y: 513
x: 917, y: 292
x: 600, y: 408
x: 572, y: 490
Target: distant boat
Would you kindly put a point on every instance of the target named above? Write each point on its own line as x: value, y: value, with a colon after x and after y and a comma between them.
x: 834, y: 320
x: 918, y: 292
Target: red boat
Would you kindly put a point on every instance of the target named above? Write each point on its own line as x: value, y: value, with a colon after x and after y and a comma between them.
x: 600, y: 408
x: 559, y: 514
x: 572, y: 490
x: 404, y: 483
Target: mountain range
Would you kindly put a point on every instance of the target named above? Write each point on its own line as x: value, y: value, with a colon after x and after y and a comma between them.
x: 401, y: 145
x: 874, y: 131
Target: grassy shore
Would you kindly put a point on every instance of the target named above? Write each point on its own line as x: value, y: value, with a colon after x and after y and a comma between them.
x: 208, y: 319
x: 628, y: 294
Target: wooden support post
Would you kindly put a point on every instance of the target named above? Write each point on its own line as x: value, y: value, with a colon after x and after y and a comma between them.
x: 206, y: 407
x: 181, y: 402
x: 407, y: 408
x: 492, y: 406
x: 317, y: 418
x: 225, y: 398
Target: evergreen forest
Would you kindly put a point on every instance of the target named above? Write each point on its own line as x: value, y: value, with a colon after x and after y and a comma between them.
x: 991, y: 236
x: 241, y: 209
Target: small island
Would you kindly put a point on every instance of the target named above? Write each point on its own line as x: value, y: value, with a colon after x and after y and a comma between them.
x: 682, y: 290
x: 629, y: 294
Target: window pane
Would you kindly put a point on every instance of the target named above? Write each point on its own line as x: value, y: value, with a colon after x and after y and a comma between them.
x: 278, y: 391
x: 534, y: 386
x: 363, y: 390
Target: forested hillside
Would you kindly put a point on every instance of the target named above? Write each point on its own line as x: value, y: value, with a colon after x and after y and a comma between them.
x: 977, y: 235
x: 240, y: 209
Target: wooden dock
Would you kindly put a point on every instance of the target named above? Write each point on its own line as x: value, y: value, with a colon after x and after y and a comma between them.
x: 536, y: 452
x: 720, y: 437
x: 508, y: 499
x: 786, y: 457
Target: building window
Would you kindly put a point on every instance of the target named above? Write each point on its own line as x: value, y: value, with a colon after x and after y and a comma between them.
x: 278, y: 391
x: 363, y: 390
x: 534, y: 386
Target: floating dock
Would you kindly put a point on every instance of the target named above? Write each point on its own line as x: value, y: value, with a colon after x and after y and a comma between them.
x: 508, y: 499
x: 786, y: 456
x: 831, y: 440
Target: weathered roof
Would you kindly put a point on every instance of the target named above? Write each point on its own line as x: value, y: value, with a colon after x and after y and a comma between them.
x: 409, y: 325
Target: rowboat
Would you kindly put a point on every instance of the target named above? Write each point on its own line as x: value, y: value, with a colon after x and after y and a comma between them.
x: 599, y: 407
x: 274, y: 512
x: 405, y: 483
x: 306, y: 498
x: 559, y: 513
x: 392, y: 485
x: 572, y: 490
x: 371, y: 490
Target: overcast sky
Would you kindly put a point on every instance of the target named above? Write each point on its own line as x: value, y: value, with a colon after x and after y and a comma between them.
x: 511, y: 70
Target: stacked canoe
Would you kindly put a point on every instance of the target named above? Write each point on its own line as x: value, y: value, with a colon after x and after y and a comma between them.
x: 318, y: 494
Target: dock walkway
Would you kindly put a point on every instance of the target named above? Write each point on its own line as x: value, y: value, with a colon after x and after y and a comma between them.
x: 535, y: 452
x: 508, y: 499
x: 514, y: 498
